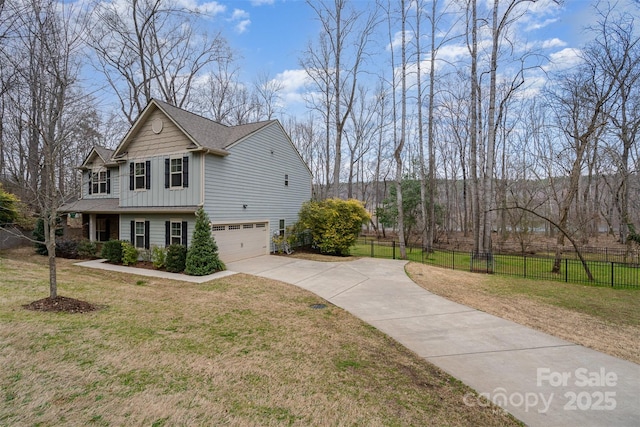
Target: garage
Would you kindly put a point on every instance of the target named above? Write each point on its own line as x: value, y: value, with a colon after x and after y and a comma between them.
x: 241, y: 240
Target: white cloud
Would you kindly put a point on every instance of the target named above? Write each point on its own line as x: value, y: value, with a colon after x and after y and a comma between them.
x: 551, y: 43
x: 242, y: 26
x: 261, y: 2
x: 240, y: 19
x: 210, y: 8
x: 397, y: 39
x: 239, y: 14
x: 563, y: 59
x: 292, y: 80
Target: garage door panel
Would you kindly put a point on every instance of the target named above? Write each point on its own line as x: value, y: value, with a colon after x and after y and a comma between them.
x: 240, y: 241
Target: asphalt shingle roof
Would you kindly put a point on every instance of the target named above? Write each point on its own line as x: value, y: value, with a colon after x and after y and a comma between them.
x: 206, y: 132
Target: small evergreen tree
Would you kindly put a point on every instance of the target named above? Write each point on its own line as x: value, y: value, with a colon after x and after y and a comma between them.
x: 202, y: 256
x: 175, y: 258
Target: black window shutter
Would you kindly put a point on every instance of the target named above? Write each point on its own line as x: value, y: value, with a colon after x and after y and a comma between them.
x: 184, y: 233
x: 167, y: 233
x: 107, y: 229
x: 108, y: 181
x: 147, y: 170
x: 133, y: 233
x: 166, y: 173
x: 185, y: 171
x: 90, y: 189
x: 146, y: 234
x: 131, y: 176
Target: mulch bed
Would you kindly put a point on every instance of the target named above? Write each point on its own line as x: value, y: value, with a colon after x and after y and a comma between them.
x: 61, y: 304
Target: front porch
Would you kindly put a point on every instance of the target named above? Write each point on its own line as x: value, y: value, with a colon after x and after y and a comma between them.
x: 102, y: 227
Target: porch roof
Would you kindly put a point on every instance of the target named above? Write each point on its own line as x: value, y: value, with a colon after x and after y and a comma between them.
x: 111, y: 206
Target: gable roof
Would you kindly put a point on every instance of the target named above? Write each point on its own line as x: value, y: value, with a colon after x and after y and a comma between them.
x: 204, y: 134
x: 104, y: 153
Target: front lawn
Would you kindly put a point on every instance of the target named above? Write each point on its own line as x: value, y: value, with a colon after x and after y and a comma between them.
x: 240, y: 350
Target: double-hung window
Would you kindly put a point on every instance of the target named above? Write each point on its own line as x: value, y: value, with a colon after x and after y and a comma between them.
x: 140, y: 234
x: 140, y: 176
x: 176, y: 233
x: 176, y: 172
x: 99, y: 183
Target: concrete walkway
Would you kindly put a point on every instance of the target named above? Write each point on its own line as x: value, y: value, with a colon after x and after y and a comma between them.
x: 101, y: 264
x: 540, y: 379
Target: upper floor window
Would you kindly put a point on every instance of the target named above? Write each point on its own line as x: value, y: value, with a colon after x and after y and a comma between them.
x: 99, y: 182
x: 140, y: 175
x: 176, y: 172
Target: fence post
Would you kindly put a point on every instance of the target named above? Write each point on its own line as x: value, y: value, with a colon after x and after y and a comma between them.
x: 612, y: 273
x: 393, y: 245
x: 372, y: 254
x: 566, y: 269
x: 524, y: 258
x: 453, y: 260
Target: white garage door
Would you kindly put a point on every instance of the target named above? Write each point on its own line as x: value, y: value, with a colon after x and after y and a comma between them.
x: 239, y: 241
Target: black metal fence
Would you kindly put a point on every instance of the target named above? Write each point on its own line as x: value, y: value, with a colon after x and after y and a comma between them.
x: 566, y: 269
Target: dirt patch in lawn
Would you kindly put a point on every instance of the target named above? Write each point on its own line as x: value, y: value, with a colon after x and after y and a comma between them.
x: 61, y: 304
x: 545, y: 307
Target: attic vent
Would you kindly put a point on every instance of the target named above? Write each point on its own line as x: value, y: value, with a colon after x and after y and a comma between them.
x: 156, y: 125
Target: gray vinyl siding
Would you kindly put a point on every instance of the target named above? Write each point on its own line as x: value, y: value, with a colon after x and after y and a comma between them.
x: 253, y: 174
x: 156, y: 226
x: 158, y: 195
x: 115, y: 185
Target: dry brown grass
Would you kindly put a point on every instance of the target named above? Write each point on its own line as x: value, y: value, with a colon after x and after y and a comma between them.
x: 604, y: 319
x: 240, y: 350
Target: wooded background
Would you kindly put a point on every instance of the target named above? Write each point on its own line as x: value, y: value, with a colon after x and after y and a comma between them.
x: 491, y: 139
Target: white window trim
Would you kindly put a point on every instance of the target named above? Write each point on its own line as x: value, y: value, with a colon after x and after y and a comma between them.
x: 144, y: 176
x: 171, y: 173
x: 97, y: 182
x: 142, y: 221
x: 171, y: 235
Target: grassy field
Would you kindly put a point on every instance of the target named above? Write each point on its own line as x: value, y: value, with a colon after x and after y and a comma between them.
x: 517, y: 266
x: 236, y: 351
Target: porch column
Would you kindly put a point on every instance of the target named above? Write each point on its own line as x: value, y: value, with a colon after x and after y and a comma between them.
x: 92, y: 227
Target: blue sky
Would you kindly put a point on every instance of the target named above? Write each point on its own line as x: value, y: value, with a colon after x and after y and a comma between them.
x: 271, y: 34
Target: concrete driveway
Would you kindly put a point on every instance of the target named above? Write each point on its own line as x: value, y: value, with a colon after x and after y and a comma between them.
x: 540, y: 379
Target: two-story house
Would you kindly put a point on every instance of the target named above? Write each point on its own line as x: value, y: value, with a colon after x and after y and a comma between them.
x: 250, y: 179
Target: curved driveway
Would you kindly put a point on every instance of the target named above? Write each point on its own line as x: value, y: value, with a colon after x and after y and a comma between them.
x: 540, y: 379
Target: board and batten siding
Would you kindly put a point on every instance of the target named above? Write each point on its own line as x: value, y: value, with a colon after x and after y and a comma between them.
x: 158, y: 195
x: 156, y: 226
x: 253, y: 174
x: 114, y: 186
x: 147, y: 143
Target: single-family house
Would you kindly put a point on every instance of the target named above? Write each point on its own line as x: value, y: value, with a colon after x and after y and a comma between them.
x: 250, y: 179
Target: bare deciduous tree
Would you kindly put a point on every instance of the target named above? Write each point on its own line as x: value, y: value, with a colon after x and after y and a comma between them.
x: 335, y: 65
x: 151, y: 48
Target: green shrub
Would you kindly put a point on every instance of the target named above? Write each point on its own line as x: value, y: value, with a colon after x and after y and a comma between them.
x: 112, y: 251
x: 202, y: 257
x: 176, y: 258
x: 87, y: 249
x: 334, y: 224
x: 67, y: 249
x: 144, y: 255
x: 129, y: 254
x: 158, y: 256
